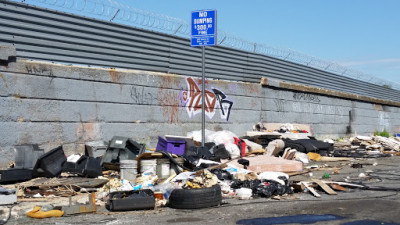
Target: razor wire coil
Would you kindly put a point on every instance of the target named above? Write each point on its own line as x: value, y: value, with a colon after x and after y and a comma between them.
x: 114, y: 11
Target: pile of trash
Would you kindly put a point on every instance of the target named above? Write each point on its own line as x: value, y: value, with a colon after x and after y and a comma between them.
x: 124, y: 175
x: 367, y: 147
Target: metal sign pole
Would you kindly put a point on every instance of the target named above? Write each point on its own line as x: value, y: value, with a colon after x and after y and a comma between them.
x: 203, y: 96
x: 204, y: 33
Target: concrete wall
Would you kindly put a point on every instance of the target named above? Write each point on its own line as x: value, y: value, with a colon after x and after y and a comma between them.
x: 52, y: 104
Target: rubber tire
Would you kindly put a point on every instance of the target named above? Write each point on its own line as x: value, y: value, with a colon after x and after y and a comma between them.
x: 195, y: 198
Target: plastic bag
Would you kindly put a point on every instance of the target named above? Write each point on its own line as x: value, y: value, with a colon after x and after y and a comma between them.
x: 279, y: 177
x: 196, y: 135
x: 233, y: 150
x: 302, y: 157
x: 268, y: 189
x: 222, y: 174
x: 252, y: 184
x: 244, y: 193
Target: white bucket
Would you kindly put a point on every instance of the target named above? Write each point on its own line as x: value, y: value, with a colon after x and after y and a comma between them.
x: 128, y: 169
x: 163, y: 168
x: 148, y: 166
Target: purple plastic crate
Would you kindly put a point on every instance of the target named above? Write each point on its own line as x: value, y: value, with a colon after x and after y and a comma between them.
x: 175, y: 147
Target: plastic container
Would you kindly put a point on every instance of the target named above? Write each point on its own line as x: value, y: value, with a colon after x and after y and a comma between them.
x: 50, y: 164
x: 121, y: 148
x: 128, y: 169
x: 15, y: 175
x: 148, y: 166
x: 163, y: 168
x: 175, y: 147
x: 131, y: 200
x: 95, y: 149
x: 85, y: 166
x: 165, y: 189
x: 27, y: 155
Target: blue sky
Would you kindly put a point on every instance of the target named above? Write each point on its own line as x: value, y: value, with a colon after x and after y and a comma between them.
x: 361, y: 34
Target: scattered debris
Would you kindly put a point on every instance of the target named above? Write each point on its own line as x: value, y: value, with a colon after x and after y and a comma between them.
x: 78, y: 209
x: 181, y: 174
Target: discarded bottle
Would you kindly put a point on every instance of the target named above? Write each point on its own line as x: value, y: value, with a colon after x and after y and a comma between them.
x: 166, y: 189
x: 326, y: 175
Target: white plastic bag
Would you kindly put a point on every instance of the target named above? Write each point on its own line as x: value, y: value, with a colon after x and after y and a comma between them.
x: 274, y: 176
x: 196, y: 135
x: 233, y: 150
x: 302, y: 157
x: 222, y: 137
x: 244, y: 193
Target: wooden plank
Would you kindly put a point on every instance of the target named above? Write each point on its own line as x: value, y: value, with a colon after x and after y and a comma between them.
x: 344, y: 184
x: 74, y: 181
x: 310, y: 189
x: 337, y: 187
x: 334, y: 159
x: 324, y: 187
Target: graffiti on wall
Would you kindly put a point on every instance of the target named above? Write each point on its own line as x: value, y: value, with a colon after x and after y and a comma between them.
x: 306, y: 97
x: 142, y: 97
x: 214, y: 99
x: 39, y: 69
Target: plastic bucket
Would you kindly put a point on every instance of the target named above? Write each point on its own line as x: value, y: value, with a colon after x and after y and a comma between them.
x: 163, y: 168
x: 128, y: 169
x: 148, y: 166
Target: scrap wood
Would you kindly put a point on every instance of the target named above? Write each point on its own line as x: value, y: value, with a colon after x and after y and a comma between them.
x: 69, y: 182
x: 337, y: 187
x: 317, y: 157
x: 77, y: 209
x: 33, y: 199
x: 255, y: 152
x: 298, y: 173
x: 343, y: 184
x: 150, y: 155
x: 58, y: 192
x: 310, y: 189
x: 324, y: 187
x: 222, y: 165
x: 298, y: 186
x: 335, y: 159
x: 312, y: 170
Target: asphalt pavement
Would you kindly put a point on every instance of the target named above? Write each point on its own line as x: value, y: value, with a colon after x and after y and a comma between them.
x: 354, y: 206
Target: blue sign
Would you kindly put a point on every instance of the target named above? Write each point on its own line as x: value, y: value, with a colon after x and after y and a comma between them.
x: 204, y: 28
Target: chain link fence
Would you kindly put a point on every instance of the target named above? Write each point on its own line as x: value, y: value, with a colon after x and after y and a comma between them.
x: 114, y: 11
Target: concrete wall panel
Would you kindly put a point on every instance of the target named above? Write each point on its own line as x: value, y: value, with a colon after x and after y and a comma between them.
x: 51, y: 105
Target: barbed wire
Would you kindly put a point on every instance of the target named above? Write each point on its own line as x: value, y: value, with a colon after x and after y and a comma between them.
x: 114, y: 11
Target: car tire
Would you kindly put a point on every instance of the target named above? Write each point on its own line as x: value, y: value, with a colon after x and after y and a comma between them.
x: 195, y: 198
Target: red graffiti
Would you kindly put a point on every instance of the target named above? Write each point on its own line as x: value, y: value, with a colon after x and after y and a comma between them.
x: 193, y: 99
